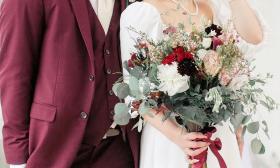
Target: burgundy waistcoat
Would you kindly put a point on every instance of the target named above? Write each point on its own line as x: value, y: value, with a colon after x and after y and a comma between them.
x: 106, y: 50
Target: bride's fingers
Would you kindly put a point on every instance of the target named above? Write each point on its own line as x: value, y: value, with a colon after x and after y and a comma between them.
x: 194, y: 136
x: 198, y: 144
x: 196, y: 152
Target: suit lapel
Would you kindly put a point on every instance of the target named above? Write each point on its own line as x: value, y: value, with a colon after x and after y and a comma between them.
x: 81, y: 13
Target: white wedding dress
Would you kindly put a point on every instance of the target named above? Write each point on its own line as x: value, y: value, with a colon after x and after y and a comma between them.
x: 157, y: 151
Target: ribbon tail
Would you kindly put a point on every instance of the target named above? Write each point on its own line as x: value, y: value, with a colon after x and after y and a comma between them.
x: 218, y: 156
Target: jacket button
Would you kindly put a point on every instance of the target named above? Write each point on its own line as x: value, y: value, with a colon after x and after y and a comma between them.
x: 84, y: 115
x: 91, y: 77
x: 107, y: 52
x: 109, y: 71
x: 111, y: 93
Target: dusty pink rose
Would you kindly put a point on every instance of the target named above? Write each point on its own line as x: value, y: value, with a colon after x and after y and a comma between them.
x: 227, y: 75
x: 224, y: 77
x: 212, y: 63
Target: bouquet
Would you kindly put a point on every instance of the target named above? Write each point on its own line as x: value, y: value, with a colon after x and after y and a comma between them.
x: 202, y: 77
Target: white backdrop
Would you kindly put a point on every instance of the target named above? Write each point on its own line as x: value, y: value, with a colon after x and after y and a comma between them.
x: 268, y: 60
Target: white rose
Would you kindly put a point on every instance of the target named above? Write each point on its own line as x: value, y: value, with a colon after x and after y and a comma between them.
x: 201, y: 53
x: 171, y: 82
x: 238, y: 82
x: 206, y: 42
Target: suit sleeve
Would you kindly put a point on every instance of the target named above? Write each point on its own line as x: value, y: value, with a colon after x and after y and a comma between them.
x: 21, y: 30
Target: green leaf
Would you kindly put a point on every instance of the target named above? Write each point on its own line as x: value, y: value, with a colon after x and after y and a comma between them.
x: 121, y: 90
x: 136, y: 72
x: 237, y: 107
x: 257, y: 146
x: 144, y: 108
x: 125, y: 66
x: 246, y: 119
x: 146, y: 88
x: 244, y: 131
x: 134, y: 86
x: 252, y: 82
x: 253, y: 127
x: 236, y: 121
x: 265, y: 129
x: 122, y: 115
x: 152, y: 74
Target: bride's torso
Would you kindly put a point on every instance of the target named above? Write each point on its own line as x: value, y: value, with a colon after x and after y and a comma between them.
x: 156, y: 149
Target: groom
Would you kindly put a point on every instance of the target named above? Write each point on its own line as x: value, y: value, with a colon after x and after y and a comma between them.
x: 58, y: 62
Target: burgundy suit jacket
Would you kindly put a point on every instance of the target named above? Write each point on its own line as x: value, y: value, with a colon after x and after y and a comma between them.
x: 46, y: 69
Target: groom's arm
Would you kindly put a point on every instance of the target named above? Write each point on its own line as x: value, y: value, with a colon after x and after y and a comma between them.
x: 21, y: 28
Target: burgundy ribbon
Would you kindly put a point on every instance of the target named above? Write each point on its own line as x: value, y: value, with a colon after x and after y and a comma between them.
x: 215, y: 146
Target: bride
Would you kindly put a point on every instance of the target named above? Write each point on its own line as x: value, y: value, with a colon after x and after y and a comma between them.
x: 163, y: 144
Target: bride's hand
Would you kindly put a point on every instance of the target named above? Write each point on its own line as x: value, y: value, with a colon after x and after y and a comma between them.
x: 187, y: 142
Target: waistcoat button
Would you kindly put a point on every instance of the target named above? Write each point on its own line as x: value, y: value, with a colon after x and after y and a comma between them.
x: 84, y: 115
x: 107, y: 52
x: 109, y: 71
x: 111, y: 93
x: 91, y: 77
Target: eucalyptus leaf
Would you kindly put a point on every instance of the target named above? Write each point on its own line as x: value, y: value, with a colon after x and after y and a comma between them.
x: 136, y: 72
x: 238, y: 107
x: 253, y: 127
x: 265, y: 129
x: 134, y: 86
x: 244, y: 131
x: 144, y: 108
x: 246, y: 119
x: 236, y: 121
x: 152, y: 74
x: 257, y: 146
x: 121, y: 90
x: 121, y: 116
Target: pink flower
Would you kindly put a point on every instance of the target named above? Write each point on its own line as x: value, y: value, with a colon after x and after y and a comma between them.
x: 224, y: 77
x: 212, y: 63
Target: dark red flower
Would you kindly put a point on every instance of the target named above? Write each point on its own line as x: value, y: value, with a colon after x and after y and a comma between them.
x: 130, y: 64
x: 169, y: 59
x: 132, y: 59
x: 218, y: 30
x: 216, y: 42
x: 182, y: 54
x: 186, y: 55
x: 133, y: 56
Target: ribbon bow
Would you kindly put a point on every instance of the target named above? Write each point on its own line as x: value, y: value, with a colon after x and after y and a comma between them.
x: 215, y: 146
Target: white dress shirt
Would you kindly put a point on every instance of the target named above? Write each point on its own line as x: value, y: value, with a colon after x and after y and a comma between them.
x: 104, y: 12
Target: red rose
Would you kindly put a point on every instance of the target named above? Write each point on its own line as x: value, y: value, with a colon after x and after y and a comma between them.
x: 130, y: 64
x: 169, y: 59
x: 186, y: 55
x: 216, y: 42
x: 133, y: 56
x: 132, y: 59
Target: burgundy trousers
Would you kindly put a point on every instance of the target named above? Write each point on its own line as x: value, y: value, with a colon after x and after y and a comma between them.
x: 112, y: 152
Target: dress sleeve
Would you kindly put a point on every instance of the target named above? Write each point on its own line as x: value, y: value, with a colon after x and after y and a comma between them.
x: 142, y: 17
x: 222, y: 15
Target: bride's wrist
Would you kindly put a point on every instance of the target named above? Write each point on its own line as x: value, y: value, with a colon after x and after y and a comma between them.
x: 176, y: 133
